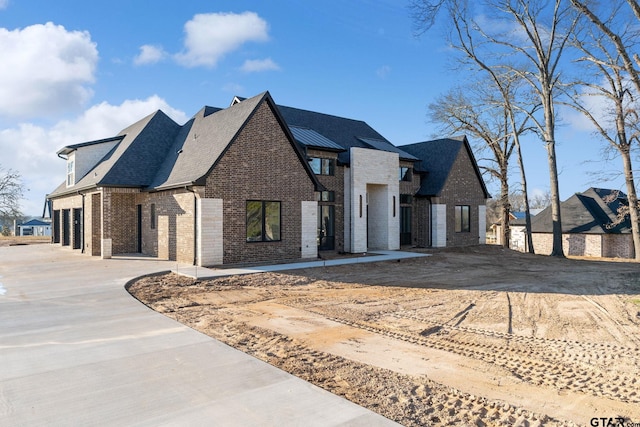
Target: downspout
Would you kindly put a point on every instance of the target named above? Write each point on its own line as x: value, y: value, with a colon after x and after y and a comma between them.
x: 430, y: 222
x: 195, y: 224
x: 83, y: 221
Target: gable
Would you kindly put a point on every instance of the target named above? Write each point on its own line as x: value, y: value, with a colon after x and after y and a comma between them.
x: 437, y: 159
x: 261, y: 162
x: 586, y: 212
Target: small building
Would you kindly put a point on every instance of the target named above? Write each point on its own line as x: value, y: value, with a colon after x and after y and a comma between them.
x: 35, y: 227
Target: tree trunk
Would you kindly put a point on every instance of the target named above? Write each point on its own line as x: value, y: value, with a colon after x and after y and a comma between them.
x: 505, y: 208
x: 553, y: 174
x: 633, y: 202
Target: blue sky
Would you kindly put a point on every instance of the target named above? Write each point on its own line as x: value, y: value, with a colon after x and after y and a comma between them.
x: 74, y: 71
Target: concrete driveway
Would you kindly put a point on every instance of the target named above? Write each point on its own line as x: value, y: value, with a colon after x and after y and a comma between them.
x: 77, y: 349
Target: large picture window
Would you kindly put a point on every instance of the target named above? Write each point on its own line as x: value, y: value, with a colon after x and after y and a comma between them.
x: 263, y: 221
x: 463, y: 223
x: 322, y: 166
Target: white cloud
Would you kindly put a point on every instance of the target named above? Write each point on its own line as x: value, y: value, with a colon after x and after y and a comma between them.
x: 149, y: 54
x: 45, y: 69
x: 210, y: 36
x: 31, y: 149
x: 257, y: 65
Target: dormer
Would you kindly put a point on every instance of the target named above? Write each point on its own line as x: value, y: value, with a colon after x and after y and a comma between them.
x: 81, y: 158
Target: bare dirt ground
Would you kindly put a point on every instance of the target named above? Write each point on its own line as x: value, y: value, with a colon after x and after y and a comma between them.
x: 23, y: 240
x: 478, y: 336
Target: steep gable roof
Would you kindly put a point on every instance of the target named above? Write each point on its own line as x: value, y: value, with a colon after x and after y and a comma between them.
x: 590, y: 212
x: 134, y: 160
x: 436, y: 162
x: 205, y: 138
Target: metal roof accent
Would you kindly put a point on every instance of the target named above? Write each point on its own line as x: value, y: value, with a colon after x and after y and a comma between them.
x: 311, y: 138
x: 382, y: 145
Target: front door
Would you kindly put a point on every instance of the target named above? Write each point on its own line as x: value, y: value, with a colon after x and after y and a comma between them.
x: 139, y: 224
x: 77, y: 228
x: 326, y: 227
x: 405, y: 225
x: 66, y: 227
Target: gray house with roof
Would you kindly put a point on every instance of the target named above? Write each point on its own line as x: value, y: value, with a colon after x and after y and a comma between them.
x: 261, y: 182
x: 590, y: 226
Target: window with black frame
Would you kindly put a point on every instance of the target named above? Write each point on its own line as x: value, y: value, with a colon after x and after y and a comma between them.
x: 321, y: 166
x: 462, y: 219
x: 263, y: 221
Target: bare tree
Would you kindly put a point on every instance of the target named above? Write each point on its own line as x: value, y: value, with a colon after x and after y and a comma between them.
x: 535, y: 39
x: 618, y: 123
x: 10, y: 193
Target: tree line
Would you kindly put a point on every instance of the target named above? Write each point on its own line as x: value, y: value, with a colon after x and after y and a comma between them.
x: 523, y: 59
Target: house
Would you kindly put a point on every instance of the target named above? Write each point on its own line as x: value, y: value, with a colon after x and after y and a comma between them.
x: 260, y: 182
x: 517, y: 230
x: 34, y: 227
x: 589, y: 226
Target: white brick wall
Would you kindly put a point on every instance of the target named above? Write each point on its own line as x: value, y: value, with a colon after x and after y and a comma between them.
x: 374, y: 174
x: 439, y: 226
x: 210, y: 226
x: 106, y: 248
x: 482, y: 224
x: 309, y: 243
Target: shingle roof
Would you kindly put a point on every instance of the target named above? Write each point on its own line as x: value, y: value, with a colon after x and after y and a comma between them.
x: 200, y: 143
x: 157, y: 153
x: 345, y: 132
x: 436, y: 162
x: 586, y: 212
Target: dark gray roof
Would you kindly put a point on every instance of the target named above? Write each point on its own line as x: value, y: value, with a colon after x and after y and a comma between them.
x: 345, y: 132
x: 200, y: 143
x: 436, y: 161
x: 312, y: 139
x: 590, y: 212
x: 157, y: 153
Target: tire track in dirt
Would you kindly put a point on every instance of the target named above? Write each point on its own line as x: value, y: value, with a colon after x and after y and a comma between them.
x: 409, y: 400
x: 531, y: 365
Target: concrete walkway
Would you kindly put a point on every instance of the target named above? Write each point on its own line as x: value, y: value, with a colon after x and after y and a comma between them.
x: 77, y: 349
x: 207, y: 273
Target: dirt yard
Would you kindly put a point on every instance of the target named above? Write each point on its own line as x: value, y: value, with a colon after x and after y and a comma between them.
x: 479, y: 336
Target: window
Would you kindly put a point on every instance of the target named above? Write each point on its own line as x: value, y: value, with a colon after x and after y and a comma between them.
x: 326, y: 227
x: 70, y: 173
x: 405, y: 173
x: 263, y: 221
x: 326, y: 196
x: 462, y: 219
x: 152, y: 218
x: 406, y: 199
x: 322, y: 166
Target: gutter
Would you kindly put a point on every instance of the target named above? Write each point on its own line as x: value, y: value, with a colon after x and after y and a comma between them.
x: 195, y: 224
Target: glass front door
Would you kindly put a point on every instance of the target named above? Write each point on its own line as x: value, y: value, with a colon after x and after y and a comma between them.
x: 326, y: 228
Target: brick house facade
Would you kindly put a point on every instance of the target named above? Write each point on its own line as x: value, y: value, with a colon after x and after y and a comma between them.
x: 257, y: 182
x: 589, y: 226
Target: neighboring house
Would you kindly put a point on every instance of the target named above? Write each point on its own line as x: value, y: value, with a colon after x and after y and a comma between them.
x: 260, y: 182
x: 589, y: 226
x: 34, y: 227
x: 517, y: 230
